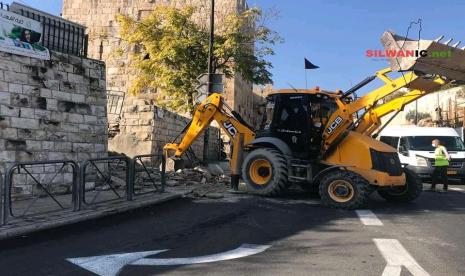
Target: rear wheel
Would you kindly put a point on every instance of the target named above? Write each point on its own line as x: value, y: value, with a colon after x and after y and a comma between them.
x: 265, y: 172
x: 344, y: 189
x: 406, y: 193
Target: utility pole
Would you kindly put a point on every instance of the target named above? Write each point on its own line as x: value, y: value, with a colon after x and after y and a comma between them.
x: 212, y: 41
x: 210, y: 74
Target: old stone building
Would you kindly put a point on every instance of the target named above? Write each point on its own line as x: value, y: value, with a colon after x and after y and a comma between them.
x: 99, y: 16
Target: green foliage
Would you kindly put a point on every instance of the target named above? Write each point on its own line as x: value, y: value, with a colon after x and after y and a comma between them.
x: 172, y: 50
x: 410, y: 116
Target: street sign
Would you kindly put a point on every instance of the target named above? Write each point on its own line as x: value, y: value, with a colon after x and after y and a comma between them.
x: 216, y: 83
x: 111, y: 265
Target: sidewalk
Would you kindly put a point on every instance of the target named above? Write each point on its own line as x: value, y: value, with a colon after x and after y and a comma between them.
x: 40, y: 213
x: 44, y: 213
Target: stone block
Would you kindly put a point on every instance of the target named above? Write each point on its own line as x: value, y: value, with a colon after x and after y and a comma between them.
x: 33, y: 145
x: 20, y: 100
x: 48, y: 145
x: 7, y: 110
x: 63, y: 146
x: 5, y: 98
x: 52, y: 104
x: 75, y: 78
x: 8, y: 65
x: 9, y: 133
x: 77, y: 98
x: 52, y: 84
x: 15, y: 77
x: 25, y: 112
x: 86, y: 128
x: 24, y: 123
x: 44, y: 92
x: 100, y: 147
x: 56, y: 136
x: 15, y: 88
x: 76, y: 118
x: 61, y: 95
x: 26, y: 134
x: 31, y: 90
x: 42, y: 114
x: 77, y: 137
x: 83, y: 147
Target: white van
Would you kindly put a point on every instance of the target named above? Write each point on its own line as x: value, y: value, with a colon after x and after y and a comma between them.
x: 416, y: 152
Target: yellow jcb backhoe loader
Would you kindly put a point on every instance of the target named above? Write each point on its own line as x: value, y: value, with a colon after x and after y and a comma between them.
x: 323, y: 140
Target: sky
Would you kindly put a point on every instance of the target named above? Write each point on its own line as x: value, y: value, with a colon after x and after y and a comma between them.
x: 335, y: 34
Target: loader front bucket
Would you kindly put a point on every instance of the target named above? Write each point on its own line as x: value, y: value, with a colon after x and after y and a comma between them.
x: 429, y: 56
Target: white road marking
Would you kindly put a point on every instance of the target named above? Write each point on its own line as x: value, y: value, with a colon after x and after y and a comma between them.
x: 457, y: 189
x: 110, y: 265
x: 368, y: 218
x: 397, y: 256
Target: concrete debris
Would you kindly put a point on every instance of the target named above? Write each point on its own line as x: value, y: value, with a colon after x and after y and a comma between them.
x: 201, y: 181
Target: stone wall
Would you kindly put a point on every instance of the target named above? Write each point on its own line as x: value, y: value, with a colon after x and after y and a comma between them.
x: 146, y: 128
x: 51, y: 110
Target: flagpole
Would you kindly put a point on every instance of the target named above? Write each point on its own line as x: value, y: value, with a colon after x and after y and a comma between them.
x: 306, y: 79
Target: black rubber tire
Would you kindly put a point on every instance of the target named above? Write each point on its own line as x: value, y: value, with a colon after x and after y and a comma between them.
x: 411, y: 191
x: 358, y: 183
x: 278, y: 183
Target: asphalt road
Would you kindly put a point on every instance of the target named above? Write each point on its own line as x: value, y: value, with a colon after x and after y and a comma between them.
x: 426, y: 238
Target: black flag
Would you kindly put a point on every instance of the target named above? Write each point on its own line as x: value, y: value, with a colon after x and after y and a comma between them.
x: 309, y: 65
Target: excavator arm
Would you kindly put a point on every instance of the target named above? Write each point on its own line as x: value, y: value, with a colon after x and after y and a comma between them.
x: 213, y: 108
x: 343, y: 119
x: 370, y: 108
x: 371, y: 120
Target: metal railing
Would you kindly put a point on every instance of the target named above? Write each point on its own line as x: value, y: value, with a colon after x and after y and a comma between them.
x: 28, y: 169
x: 147, y: 171
x: 103, y: 180
x: 143, y: 174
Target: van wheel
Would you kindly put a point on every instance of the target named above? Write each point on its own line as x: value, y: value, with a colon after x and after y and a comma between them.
x: 344, y: 189
x: 409, y: 192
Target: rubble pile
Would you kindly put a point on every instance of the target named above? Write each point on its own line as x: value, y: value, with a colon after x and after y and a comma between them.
x: 202, y: 182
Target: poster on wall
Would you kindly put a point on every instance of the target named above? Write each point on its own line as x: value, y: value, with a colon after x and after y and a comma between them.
x: 21, y: 36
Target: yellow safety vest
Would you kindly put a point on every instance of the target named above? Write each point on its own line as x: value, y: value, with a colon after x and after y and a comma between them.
x: 440, y: 158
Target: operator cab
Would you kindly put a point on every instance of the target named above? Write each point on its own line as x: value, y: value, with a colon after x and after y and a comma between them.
x: 298, y: 117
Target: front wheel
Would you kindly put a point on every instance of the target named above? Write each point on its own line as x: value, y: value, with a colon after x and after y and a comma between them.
x: 344, y: 189
x: 265, y: 172
x: 406, y: 193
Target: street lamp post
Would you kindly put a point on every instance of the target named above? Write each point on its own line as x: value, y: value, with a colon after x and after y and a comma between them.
x: 210, y: 73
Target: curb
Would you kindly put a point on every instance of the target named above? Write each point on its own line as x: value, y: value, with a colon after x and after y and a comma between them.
x: 28, y: 229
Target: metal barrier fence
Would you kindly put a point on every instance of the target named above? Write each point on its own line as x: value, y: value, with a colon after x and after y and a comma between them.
x: 28, y: 169
x: 102, y: 178
x: 110, y: 178
x: 144, y: 170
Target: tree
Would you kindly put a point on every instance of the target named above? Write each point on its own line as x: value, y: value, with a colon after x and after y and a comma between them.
x: 173, y: 51
x: 410, y: 116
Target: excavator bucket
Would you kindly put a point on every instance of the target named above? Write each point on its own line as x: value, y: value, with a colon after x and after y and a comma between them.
x: 425, y: 56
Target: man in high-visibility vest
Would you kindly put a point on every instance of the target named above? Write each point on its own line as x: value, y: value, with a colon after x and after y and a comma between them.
x: 441, y: 162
